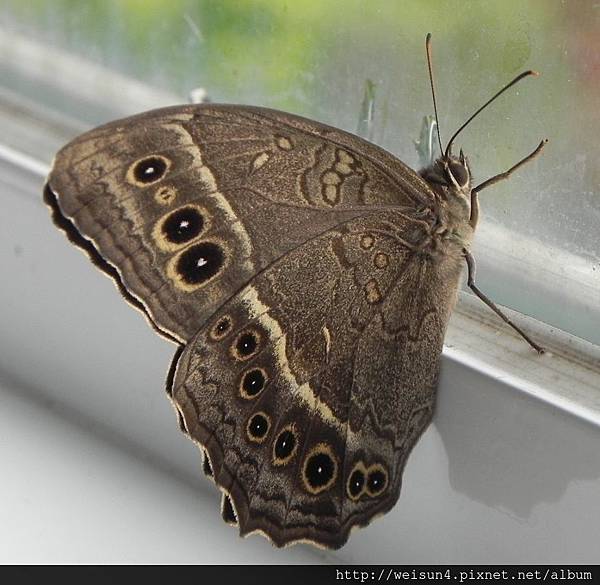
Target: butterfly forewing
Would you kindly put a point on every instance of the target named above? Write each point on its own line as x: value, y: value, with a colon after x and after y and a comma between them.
x: 189, y: 202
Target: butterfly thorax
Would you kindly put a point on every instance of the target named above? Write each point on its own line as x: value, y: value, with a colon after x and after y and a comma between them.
x: 450, y: 179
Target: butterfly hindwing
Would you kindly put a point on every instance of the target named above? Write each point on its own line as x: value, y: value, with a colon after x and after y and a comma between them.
x: 309, y: 393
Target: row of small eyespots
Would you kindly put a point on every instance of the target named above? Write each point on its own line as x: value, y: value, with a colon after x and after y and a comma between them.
x: 285, y: 444
x: 252, y: 383
x: 245, y: 345
x: 319, y: 471
x: 372, y: 480
x: 320, y: 468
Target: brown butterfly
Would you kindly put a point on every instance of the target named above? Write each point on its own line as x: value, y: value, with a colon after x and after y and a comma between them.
x: 308, y: 277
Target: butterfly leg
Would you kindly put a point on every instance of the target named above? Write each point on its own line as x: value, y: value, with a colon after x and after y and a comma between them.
x: 474, y: 209
x: 501, y: 176
x: 471, y: 282
x: 496, y: 179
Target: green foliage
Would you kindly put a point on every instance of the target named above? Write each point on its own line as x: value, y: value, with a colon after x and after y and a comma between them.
x: 237, y: 48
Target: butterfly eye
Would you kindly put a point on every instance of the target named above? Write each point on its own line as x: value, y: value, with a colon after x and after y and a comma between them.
x: 459, y: 172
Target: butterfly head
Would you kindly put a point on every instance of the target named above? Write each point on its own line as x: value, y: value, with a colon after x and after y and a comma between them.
x: 449, y: 177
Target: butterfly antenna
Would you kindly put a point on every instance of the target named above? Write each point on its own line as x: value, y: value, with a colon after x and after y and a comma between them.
x: 437, y: 121
x: 507, y: 86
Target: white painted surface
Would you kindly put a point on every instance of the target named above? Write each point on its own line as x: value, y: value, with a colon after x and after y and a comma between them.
x: 95, y: 470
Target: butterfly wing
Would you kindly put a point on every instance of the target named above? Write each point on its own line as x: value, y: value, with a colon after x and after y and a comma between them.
x: 184, y: 205
x: 289, y: 256
x: 309, y: 387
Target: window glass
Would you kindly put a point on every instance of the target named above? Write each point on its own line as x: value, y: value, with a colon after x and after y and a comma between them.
x: 538, y: 246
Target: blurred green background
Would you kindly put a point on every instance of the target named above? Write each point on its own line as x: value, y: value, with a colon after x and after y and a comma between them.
x: 313, y: 58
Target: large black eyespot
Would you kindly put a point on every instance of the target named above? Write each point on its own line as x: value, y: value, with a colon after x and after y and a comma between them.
x: 258, y: 427
x: 284, y: 446
x: 459, y: 172
x: 246, y: 345
x: 320, y: 469
x: 200, y: 262
x: 253, y: 381
x: 182, y: 225
x: 376, y: 480
x: 149, y: 169
x: 356, y: 483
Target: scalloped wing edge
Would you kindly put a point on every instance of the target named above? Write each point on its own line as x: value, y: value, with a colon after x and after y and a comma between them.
x: 65, y: 224
x: 275, y: 540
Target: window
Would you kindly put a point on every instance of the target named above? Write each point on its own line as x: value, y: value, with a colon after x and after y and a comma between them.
x: 537, y: 249
x: 66, y: 66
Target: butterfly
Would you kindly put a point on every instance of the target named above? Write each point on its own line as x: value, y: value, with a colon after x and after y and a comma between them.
x: 307, y: 277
